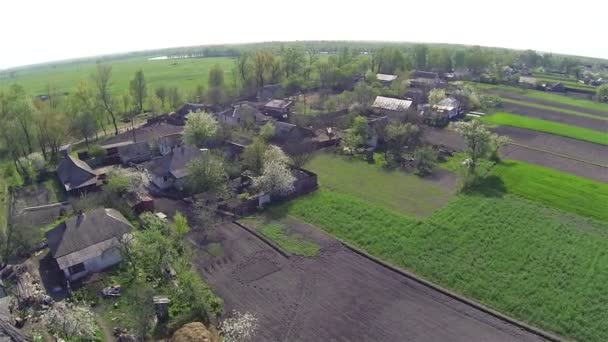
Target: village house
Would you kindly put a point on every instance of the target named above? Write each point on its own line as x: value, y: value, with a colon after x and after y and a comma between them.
x: 555, y: 87
x: 129, y: 152
x: 188, y: 108
x: 167, y: 143
x: 76, y: 175
x: 89, y: 242
x: 391, y: 106
x: 385, y: 78
x: 278, y: 108
x: 289, y: 133
x: 418, y: 96
x: 244, y: 115
x: 527, y: 81
x: 171, y: 170
x: 448, y: 107
x: 425, y: 79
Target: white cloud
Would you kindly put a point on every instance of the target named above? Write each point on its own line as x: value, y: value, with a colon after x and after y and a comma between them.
x: 37, y: 31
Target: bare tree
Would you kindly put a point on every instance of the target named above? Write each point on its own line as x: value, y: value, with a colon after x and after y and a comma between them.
x: 104, y: 92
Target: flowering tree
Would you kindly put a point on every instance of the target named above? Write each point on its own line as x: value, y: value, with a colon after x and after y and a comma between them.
x: 239, y: 328
x: 201, y: 128
x: 128, y: 181
x: 276, y: 178
x: 71, y: 322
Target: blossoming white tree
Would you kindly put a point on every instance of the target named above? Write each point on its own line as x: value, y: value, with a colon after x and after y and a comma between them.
x: 276, y: 178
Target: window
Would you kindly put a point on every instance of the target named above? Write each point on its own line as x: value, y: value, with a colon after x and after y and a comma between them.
x: 165, y: 178
x: 76, y: 268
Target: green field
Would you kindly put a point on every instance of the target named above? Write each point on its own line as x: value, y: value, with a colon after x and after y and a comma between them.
x: 554, y: 188
x: 508, y: 119
x: 396, y: 190
x: 538, y: 264
x: 555, y: 109
x: 186, y: 74
x: 568, y: 83
x: 292, y: 243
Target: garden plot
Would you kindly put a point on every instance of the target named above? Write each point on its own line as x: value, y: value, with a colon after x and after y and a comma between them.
x: 337, y: 295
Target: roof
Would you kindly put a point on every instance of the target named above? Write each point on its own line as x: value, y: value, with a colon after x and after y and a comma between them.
x: 527, y: 79
x: 244, y: 109
x: 280, y: 104
x: 75, y: 173
x: 175, y: 163
x: 118, y: 144
x: 390, y: 103
x: 140, y: 149
x: 284, y: 131
x: 448, y: 104
x: 424, y: 74
x: 85, y: 230
x: 386, y: 77
x: 171, y: 140
x: 190, y: 107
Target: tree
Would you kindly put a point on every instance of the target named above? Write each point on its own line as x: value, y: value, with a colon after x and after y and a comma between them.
x: 129, y: 111
x: 180, y: 226
x: 128, y: 181
x: 358, y: 132
x: 102, y: 80
x: 84, y: 125
x: 206, y: 173
x: 267, y: 131
x: 162, y: 93
x: 19, y: 108
x: 138, y: 90
x: 480, y: 144
x: 155, y: 105
x: 425, y: 158
x: 401, y: 136
x: 420, y: 56
x: 276, y: 178
x: 141, y: 307
x: 175, y: 98
x: 201, y: 128
x: 216, y: 85
x: 299, y: 153
x: 440, y: 59
x: 292, y: 59
x: 436, y: 96
x: 602, y: 93
x: 253, y: 156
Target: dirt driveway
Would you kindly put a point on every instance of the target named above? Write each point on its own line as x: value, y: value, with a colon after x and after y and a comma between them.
x: 336, y: 296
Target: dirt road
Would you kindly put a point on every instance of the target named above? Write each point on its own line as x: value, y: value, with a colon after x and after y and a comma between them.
x: 336, y: 296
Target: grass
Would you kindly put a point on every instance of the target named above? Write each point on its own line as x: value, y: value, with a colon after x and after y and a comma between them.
x: 546, y: 126
x: 537, y: 264
x: 395, y: 189
x: 554, y: 188
x: 547, y: 96
x: 56, y: 191
x: 292, y: 243
x: 3, y: 204
x: 570, y: 83
x: 185, y: 74
x: 555, y: 109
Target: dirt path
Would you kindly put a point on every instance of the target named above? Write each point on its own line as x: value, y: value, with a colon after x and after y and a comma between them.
x: 337, y: 296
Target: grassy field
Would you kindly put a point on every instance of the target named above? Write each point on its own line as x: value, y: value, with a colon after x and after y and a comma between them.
x: 546, y: 126
x: 396, y: 190
x: 547, y: 96
x: 555, y: 109
x: 553, y: 188
x: 540, y: 265
x: 292, y: 243
x: 568, y: 83
x: 183, y: 73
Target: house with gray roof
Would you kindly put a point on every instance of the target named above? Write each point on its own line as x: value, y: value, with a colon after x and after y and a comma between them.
x: 244, y: 115
x: 167, y: 143
x: 391, y: 106
x: 386, y: 78
x: 76, y: 175
x: 171, y: 170
x: 89, y: 242
x: 278, y: 108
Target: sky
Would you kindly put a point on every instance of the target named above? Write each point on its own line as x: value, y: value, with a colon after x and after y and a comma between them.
x: 35, y: 31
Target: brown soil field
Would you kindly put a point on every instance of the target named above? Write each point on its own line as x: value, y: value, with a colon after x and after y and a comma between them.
x: 569, y: 119
x: 559, y: 149
x: 337, y: 296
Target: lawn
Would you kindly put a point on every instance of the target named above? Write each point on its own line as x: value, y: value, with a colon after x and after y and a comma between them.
x: 186, y: 74
x: 546, y: 126
x: 537, y: 264
x: 554, y: 188
x: 292, y: 243
x: 405, y: 193
x: 555, y: 109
